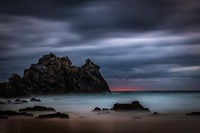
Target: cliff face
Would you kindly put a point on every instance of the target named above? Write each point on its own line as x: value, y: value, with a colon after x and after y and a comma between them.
x: 53, y: 75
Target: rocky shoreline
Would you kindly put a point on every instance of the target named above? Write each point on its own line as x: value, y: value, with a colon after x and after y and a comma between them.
x: 134, y: 107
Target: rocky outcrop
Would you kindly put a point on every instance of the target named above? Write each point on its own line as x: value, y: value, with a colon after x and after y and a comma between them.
x: 37, y: 108
x: 35, y: 100
x: 134, y: 106
x: 156, y: 113
x: 19, y: 101
x: 97, y: 109
x: 13, y: 113
x: 13, y: 88
x: 56, y: 115
x: 193, y: 114
x: 52, y: 75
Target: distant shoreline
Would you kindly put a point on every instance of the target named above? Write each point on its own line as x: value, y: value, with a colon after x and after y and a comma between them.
x: 161, y: 91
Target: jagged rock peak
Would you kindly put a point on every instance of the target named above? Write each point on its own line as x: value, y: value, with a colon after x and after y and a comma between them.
x: 14, y: 77
x: 66, y: 60
x: 55, y: 75
x: 50, y: 59
x: 89, y: 64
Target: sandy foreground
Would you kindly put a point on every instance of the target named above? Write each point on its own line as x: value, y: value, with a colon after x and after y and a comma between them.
x: 104, y: 123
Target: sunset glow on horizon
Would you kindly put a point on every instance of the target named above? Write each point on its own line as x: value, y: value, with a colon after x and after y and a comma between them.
x: 125, y: 89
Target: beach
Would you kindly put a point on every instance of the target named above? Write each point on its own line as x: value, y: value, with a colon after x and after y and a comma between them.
x: 171, y: 118
x: 106, y: 123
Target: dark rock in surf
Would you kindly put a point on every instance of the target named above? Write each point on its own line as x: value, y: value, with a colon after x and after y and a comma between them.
x: 55, y: 75
x: 24, y: 101
x: 193, y: 114
x: 97, y: 109
x: 56, y: 115
x: 19, y: 101
x: 105, y: 109
x: 35, y: 100
x: 37, y: 108
x: 156, y: 113
x: 13, y: 113
x: 134, y: 106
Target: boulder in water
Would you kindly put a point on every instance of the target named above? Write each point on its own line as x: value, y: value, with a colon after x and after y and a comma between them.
x: 37, y: 108
x: 134, y: 106
x: 35, y: 100
x: 56, y: 115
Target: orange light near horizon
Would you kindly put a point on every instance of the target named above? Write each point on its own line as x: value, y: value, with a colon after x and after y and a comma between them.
x: 124, y: 89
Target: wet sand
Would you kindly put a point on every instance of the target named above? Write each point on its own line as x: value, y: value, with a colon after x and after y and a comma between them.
x: 103, y: 123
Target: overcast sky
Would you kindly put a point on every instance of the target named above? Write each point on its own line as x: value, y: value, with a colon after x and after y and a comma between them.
x: 139, y: 44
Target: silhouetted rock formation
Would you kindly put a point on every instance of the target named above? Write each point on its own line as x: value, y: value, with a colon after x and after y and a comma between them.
x: 105, y: 109
x: 55, y: 75
x: 193, y: 113
x: 134, y: 106
x: 3, y: 102
x: 156, y: 113
x: 37, y: 108
x: 18, y: 101
x: 24, y: 101
x: 35, y: 100
x: 97, y: 109
x: 56, y: 115
x: 13, y: 113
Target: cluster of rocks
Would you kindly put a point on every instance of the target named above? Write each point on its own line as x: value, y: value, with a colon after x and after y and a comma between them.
x: 193, y: 113
x: 23, y: 112
x: 35, y: 100
x: 56, y: 115
x: 134, y: 106
x: 37, y: 108
x: 14, y: 113
x: 20, y: 101
x: 52, y: 75
x: 155, y: 113
x: 99, y: 109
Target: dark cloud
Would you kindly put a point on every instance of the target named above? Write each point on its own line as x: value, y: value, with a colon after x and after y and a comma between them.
x: 51, y: 9
x: 147, y: 43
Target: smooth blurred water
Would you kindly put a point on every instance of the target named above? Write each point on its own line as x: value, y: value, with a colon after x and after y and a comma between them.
x: 163, y: 102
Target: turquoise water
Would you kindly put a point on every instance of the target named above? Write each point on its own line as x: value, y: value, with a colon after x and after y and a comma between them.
x: 163, y: 102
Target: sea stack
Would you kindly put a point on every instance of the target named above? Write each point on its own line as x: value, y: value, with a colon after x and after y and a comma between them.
x: 55, y: 75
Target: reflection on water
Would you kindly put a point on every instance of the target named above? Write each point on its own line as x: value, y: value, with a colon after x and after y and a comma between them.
x: 166, y: 102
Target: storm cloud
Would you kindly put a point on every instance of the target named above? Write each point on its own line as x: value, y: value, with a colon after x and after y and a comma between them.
x: 146, y: 44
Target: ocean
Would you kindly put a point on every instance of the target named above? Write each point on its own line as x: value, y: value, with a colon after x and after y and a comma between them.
x: 162, y: 102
